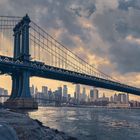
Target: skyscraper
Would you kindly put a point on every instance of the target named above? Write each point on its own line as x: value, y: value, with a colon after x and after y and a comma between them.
x: 36, y: 90
x: 32, y: 90
x: 58, y: 96
x: 95, y: 94
x: 127, y: 98
x: 1, y: 93
x: 91, y: 95
x: 111, y: 99
x: 65, y: 91
x: 5, y: 93
x: 77, y: 92
x: 83, y: 96
x: 115, y: 98
x: 119, y: 99
x: 45, y: 91
x: 59, y: 93
x: 50, y: 94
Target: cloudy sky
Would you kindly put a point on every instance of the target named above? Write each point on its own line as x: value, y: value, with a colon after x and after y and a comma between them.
x: 106, y: 33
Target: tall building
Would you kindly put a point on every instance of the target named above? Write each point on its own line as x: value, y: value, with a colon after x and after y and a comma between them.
x: 5, y: 92
x: 32, y: 90
x: 83, y: 96
x: 36, y: 91
x: 75, y: 95
x: 119, y: 99
x: 95, y: 94
x: 127, y: 98
x: 115, y: 97
x: 59, y: 93
x: 65, y: 93
x: 58, y: 96
x: 45, y: 91
x: 77, y: 92
x: 1, y: 93
x: 111, y: 99
x: 50, y: 94
x: 91, y: 95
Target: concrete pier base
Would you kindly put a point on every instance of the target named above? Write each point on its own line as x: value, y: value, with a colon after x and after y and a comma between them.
x: 21, y: 104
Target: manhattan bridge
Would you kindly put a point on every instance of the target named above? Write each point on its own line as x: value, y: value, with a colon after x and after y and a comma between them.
x: 26, y: 50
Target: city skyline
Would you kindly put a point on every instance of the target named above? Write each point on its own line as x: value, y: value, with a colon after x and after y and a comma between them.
x: 81, y: 88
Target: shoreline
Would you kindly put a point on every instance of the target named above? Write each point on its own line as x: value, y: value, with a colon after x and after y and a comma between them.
x: 98, y: 107
x: 19, y: 126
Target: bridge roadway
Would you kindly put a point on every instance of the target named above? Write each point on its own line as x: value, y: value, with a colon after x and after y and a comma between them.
x: 8, y: 66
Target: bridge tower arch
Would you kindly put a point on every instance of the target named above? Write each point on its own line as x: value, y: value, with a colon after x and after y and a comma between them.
x: 20, y: 94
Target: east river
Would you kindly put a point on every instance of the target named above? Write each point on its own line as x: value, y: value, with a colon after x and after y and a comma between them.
x: 92, y: 123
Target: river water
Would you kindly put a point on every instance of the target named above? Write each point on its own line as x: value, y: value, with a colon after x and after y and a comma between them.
x: 92, y: 123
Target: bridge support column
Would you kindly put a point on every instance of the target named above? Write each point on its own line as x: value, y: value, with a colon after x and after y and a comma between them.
x: 14, y: 91
x: 21, y: 96
x: 24, y: 98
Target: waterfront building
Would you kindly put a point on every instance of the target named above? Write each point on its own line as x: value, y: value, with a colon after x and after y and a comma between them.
x: 32, y: 90
x: 58, y: 96
x: 1, y: 93
x: 45, y: 91
x: 5, y: 92
x: 74, y: 95
x: 102, y: 101
x: 123, y: 98
x: 119, y: 98
x: 39, y: 97
x: 127, y: 98
x: 111, y: 99
x: 95, y: 94
x: 134, y: 104
x: 69, y: 97
x: 115, y: 98
x: 83, y: 96
x: 77, y: 92
x: 65, y: 93
x: 50, y: 94
x: 36, y: 91
x: 91, y: 95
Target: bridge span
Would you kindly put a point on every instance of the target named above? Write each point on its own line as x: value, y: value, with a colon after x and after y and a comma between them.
x: 36, y: 53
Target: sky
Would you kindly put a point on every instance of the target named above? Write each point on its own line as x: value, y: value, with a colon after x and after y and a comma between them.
x: 105, y: 33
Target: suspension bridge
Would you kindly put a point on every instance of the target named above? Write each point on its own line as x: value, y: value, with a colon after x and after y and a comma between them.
x: 26, y: 50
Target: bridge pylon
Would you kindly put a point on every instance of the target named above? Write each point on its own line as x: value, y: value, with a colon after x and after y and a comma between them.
x: 20, y: 94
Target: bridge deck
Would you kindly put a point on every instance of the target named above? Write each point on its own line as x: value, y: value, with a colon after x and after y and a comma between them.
x: 8, y: 65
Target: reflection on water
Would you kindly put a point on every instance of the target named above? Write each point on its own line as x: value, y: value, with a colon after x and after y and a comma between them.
x: 92, y: 123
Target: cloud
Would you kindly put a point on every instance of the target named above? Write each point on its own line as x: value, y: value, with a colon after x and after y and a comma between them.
x: 114, y: 26
x: 128, y: 4
x: 126, y: 56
